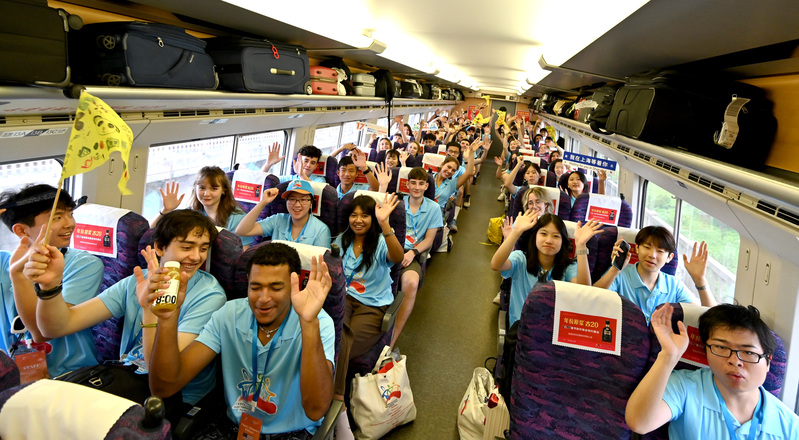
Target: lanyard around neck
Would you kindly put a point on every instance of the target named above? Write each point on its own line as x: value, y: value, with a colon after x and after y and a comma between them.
x: 349, y: 277
x: 754, y: 424
x: 291, y: 229
x: 268, y: 354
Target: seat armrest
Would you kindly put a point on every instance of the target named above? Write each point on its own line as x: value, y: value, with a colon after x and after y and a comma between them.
x: 391, y: 313
x: 502, y: 331
x: 326, y: 430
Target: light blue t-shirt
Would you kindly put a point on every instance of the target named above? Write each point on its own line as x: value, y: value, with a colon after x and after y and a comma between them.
x: 523, y: 282
x: 355, y: 187
x: 371, y: 287
x: 204, y: 296
x: 83, y: 273
x: 668, y: 289
x: 278, y: 226
x: 448, y: 187
x: 229, y: 333
x: 293, y: 177
x: 233, y: 222
x: 696, y: 410
x: 416, y: 224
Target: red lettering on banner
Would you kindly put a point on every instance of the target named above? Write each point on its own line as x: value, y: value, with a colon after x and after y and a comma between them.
x: 472, y: 111
x: 402, y: 186
x: 247, y: 191
x: 92, y: 238
x: 696, y: 349
x: 524, y: 115
x: 603, y: 215
x: 587, y: 330
x: 360, y: 178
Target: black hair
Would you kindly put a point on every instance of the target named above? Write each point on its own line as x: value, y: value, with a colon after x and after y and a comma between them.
x: 345, y: 161
x: 659, y: 236
x: 179, y: 223
x: 553, y: 152
x: 456, y: 145
x: 370, y: 241
x: 25, y: 204
x: 734, y: 317
x: 310, y: 151
x: 562, y: 260
x: 553, y: 163
x: 582, y: 178
x: 393, y: 152
x: 429, y: 137
x: 418, y: 173
x: 526, y: 166
x: 275, y: 254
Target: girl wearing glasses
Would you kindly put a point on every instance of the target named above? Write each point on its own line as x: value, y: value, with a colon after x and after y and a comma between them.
x: 543, y: 255
x: 212, y: 195
x: 299, y: 225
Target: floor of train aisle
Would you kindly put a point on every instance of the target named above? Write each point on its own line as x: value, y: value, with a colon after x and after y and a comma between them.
x: 453, y: 328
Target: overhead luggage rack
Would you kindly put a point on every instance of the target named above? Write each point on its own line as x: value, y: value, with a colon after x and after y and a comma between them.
x: 767, y: 193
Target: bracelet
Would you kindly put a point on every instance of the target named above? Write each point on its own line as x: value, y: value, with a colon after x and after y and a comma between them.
x: 581, y: 251
x: 416, y: 251
x: 152, y: 325
x: 389, y: 233
x: 368, y: 170
x: 47, y: 294
x: 701, y: 287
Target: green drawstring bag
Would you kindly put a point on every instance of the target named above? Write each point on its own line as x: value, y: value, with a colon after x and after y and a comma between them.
x: 495, y: 230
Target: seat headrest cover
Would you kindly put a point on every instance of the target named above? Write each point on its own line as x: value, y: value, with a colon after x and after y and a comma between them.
x: 96, y: 229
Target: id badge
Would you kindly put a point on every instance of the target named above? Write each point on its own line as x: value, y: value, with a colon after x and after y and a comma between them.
x: 249, y: 427
x: 32, y: 365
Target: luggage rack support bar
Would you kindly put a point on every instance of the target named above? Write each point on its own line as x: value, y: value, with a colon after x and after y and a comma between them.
x: 544, y: 65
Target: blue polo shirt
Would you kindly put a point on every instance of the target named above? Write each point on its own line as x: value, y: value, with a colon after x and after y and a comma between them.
x: 229, y: 333
x: 233, y: 222
x: 371, y: 287
x: 416, y: 224
x: 448, y: 187
x: 293, y: 177
x: 523, y: 282
x: 204, y: 296
x: 83, y: 273
x: 355, y: 187
x: 696, y: 410
x: 668, y: 289
x: 278, y: 226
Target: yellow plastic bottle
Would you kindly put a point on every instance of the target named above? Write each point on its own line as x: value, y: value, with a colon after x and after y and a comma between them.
x: 169, y: 300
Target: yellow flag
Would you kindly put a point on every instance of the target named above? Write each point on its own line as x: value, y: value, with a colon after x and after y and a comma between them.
x: 97, y: 132
x: 501, y: 118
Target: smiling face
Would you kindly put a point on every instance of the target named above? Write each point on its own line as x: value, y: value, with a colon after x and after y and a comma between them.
x: 209, y: 194
x: 537, y: 205
x: 652, y: 258
x: 298, y: 205
x: 392, y: 161
x: 531, y: 176
x: 429, y: 143
x: 384, y: 144
x: 732, y: 374
x: 417, y: 187
x: 190, y: 251
x: 62, y: 227
x: 360, y: 221
x: 548, y: 240
x: 413, y: 148
x: 269, y: 293
x: 559, y: 169
x: 448, y: 170
x: 453, y: 151
x: 576, y: 185
x: 347, y: 174
x: 306, y: 163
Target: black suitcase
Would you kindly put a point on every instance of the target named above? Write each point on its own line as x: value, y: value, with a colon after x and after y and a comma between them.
x: 385, y: 84
x: 426, y: 92
x: 142, y: 55
x: 410, y: 89
x: 678, y: 110
x: 35, y: 54
x: 250, y: 65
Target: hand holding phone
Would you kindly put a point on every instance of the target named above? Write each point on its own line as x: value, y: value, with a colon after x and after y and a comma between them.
x: 618, y: 262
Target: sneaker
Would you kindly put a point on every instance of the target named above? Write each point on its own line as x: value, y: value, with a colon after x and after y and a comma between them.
x: 501, y: 196
x: 453, y: 226
x: 467, y: 202
x: 496, y: 298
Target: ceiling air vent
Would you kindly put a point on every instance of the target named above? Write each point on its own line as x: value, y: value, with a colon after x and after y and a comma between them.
x: 766, y: 207
x: 788, y: 216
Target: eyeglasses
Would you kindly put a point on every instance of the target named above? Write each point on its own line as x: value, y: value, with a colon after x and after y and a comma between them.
x: 299, y: 201
x: 532, y: 203
x: 747, y: 356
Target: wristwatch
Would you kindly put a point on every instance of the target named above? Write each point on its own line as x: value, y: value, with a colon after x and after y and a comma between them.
x: 581, y: 251
x: 46, y: 294
x: 367, y: 171
x: 390, y: 233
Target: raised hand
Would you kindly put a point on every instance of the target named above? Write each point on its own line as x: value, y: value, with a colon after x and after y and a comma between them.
x: 39, y: 263
x: 359, y: 159
x: 170, y: 199
x: 617, y: 251
x: 268, y: 195
x: 383, y: 175
x: 697, y: 265
x: 602, y: 175
x: 383, y: 211
x: 153, y: 285
x: 525, y: 222
x: 498, y: 161
x: 672, y: 345
x: 308, y: 302
x: 507, y: 226
x: 404, y: 155
x: 273, y: 155
x: 584, y: 232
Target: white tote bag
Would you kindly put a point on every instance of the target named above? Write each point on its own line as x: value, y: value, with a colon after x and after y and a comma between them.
x: 474, y: 405
x: 382, y: 399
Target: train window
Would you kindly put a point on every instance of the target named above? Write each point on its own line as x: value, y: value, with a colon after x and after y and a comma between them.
x: 180, y: 162
x: 660, y: 207
x: 252, y: 150
x: 723, y: 245
x: 16, y: 175
x: 327, y: 138
x: 350, y: 133
x: 383, y: 122
x: 612, y: 182
x: 414, y: 119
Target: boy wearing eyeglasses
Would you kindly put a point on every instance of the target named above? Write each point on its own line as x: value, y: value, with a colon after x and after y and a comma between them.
x: 726, y: 400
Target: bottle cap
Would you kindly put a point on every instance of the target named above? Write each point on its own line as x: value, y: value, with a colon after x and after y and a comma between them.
x: 172, y: 264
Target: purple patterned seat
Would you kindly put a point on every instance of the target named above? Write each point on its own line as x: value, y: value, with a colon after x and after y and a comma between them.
x: 129, y: 230
x: 366, y: 362
x: 329, y: 211
x: 561, y: 392
x: 222, y: 257
x: 127, y: 427
x: 270, y: 181
x: 774, y: 377
x: 564, y: 204
x: 580, y: 210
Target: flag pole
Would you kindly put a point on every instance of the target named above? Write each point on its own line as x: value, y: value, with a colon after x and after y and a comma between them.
x: 52, y: 211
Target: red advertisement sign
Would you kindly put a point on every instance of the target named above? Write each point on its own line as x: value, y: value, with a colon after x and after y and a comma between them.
x: 472, y: 112
x: 250, y: 192
x: 360, y: 177
x: 524, y: 115
x: 318, y: 205
x: 94, y: 239
x: 633, y: 253
x: 587, y: 330
x: 696, y: 349
x: 602, y: 215
x: 402, y: 186
x: 321, y: 166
